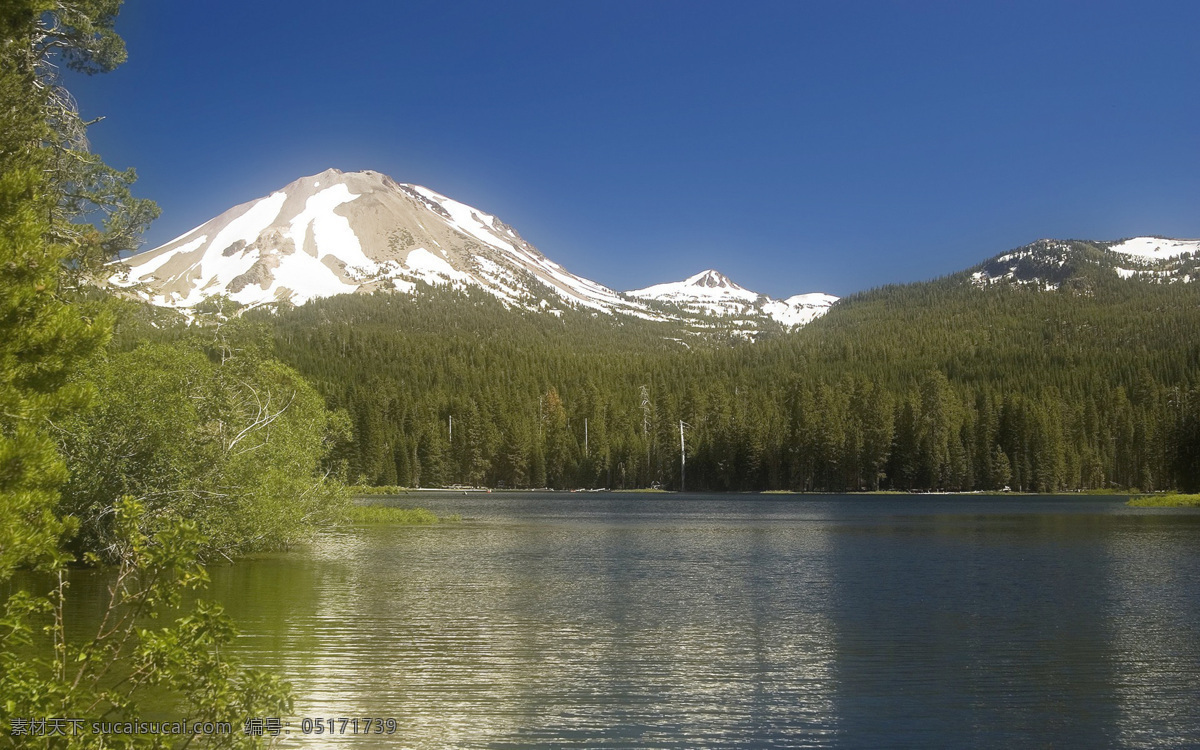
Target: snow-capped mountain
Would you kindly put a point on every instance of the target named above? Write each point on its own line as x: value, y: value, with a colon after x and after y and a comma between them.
x: 1048, y: 264
x: 713, y: 293
x: 707, y: 292
x: 339, y: 232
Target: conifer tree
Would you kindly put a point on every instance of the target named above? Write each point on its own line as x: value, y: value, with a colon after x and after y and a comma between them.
x: 49, y: 182
x: 43, y: 340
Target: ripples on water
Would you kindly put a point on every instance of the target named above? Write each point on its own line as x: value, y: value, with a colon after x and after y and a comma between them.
x: 680, y: 622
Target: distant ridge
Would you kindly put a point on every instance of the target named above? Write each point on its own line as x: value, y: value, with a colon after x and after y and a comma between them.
x: 1048, y: 264
x: 711, y: 292
x: 344, y: 232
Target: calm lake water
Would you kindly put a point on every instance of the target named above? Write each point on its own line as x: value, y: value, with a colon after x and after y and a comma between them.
x: 700, y: 621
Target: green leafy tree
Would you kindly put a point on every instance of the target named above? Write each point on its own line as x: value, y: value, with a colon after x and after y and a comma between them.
x: 236, y: 445
x: 51, y: 189
x: 49, y: 181
x: 91, y: 209
x: 42, y: 342
x: 48, y: 672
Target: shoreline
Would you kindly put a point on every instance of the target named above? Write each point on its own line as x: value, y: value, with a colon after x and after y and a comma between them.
x: 369, y: 492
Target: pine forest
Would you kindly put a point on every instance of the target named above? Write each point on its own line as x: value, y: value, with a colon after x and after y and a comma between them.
x: 936, y: 386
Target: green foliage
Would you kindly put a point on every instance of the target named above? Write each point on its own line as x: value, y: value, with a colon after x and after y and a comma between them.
x: 42, y: 341
x: 234, y: 443
x: 941, y: 385
x: 50, y: 671
x: 90, y: 209
x: 1184, y: 441
x: 1169, y: 500
x: 80, y: 32
x: 63, y: 212
x: 50, y: 185
x: 385, y: 489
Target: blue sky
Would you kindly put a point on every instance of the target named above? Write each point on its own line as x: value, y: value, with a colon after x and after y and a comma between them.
x: 796, y: 146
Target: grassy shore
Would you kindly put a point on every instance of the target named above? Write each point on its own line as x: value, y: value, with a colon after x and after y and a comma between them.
x: 1171, y: 500
x: 358, y: 490
x: 392, y: 515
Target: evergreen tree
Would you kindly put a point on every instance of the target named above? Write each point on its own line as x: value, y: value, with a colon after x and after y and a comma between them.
x: 49, y: 184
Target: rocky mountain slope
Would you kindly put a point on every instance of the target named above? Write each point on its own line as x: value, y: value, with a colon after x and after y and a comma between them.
x: 336, y: 232
x: 339, y: 232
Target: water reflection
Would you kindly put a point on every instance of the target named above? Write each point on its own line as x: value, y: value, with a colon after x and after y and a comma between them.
x: 696, y: 630
x: 546, y: 621
x: 1153, y: 600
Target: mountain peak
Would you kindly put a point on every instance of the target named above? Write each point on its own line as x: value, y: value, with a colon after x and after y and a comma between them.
x: 711, y: 292
x: 1050, y: 263
x: 338, y: 232
x: 328, y: 177
x: 712, y: 279
x: 363, y: 181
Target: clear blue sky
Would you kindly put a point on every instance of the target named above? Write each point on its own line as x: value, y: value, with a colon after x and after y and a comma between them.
x: 796, y: 146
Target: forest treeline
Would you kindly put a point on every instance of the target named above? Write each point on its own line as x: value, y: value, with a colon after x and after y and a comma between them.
x: 931, y: 386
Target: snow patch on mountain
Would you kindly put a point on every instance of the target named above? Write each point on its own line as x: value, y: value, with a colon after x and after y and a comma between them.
x: 339, y: 232
x: 712, y: 293
x: 431, y: 267
x: 1155, y: 248
x: 799, y: 309
x: 712, y: 287
x: 1047, y: 264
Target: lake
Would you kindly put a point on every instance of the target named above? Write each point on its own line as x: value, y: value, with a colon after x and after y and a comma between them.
x: 551, y: 620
